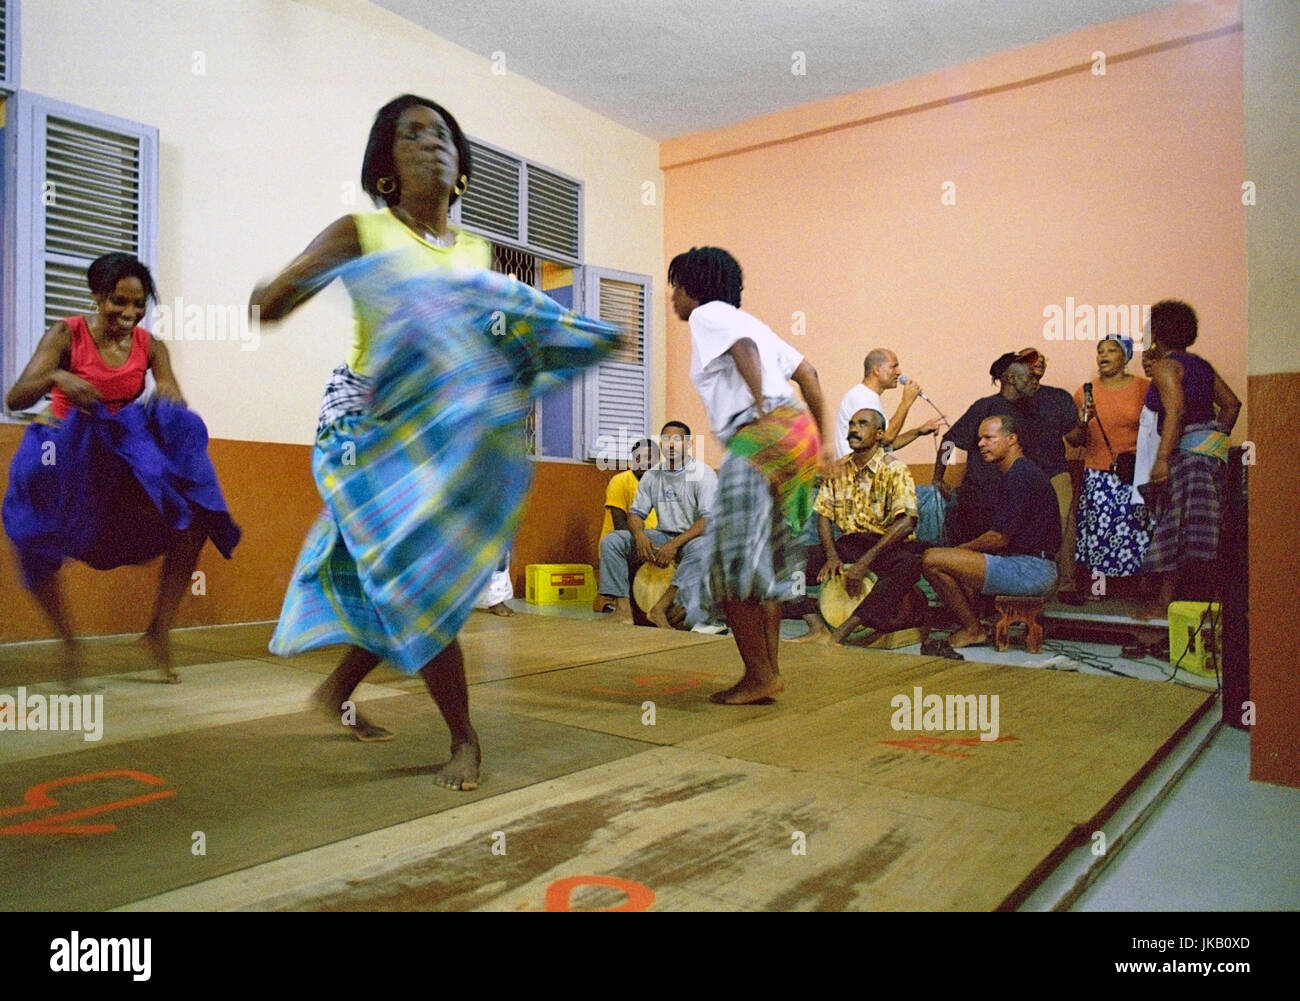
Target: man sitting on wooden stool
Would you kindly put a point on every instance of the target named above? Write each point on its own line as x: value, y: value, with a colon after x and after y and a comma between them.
x: 870, y: 497
x: 680, y: 491
x: 1016, y: 556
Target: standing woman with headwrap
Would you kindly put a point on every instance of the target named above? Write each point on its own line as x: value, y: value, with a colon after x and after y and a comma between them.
x: 1111, y: 536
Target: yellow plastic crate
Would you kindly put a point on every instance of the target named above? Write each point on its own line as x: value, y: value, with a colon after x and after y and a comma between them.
x: 1190, y: 626
x: 559, y: 583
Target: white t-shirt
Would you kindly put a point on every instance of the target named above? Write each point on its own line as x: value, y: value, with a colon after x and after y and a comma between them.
x: 715, y: 327
x: 857, y: 398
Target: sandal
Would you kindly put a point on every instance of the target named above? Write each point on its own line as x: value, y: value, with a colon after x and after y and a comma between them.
x: 940, y: 648
x: 369, y: 733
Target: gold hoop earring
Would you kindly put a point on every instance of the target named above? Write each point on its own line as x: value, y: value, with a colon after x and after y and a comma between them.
x: 462, y: 184
x: 386, y: 185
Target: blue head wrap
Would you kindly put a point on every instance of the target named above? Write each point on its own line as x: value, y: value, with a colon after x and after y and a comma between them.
x: 1125, y: 342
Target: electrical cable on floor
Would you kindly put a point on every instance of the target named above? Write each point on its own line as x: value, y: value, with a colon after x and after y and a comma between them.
x: 1088, y: 658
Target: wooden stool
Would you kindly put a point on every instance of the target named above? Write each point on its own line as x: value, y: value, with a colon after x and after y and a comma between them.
x: 1012, y: 609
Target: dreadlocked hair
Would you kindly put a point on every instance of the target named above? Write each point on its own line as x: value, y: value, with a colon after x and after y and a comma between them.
x: 707, y: 274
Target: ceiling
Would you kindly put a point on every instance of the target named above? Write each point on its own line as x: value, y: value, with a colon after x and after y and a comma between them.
x: 669, y: 67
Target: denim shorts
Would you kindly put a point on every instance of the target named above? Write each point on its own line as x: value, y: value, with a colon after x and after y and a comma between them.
x: 1027, y: 576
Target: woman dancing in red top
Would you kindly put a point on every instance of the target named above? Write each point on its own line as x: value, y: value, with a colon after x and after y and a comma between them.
x: 108, y: 482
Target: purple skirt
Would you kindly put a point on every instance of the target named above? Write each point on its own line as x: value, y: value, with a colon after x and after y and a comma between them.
x: 111, y: 489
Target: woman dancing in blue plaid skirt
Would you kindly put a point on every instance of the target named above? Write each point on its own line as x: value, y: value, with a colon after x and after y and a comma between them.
x: 419, y: 454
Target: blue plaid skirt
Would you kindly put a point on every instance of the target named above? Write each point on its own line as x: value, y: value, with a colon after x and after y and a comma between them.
x: 425, y: 490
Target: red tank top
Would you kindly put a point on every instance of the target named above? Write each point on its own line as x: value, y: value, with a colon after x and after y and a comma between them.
x: 118, y: 386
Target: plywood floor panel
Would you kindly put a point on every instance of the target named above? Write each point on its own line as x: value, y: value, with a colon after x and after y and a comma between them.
x: 1065, y: 745
x: 700, y: 832
x: 258, y: 790
x: 699, y: 808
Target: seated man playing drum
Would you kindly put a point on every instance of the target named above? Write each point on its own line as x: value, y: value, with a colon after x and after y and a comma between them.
x: 869, y: 497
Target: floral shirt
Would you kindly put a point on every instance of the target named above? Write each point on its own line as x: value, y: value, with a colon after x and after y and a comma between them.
x: 870, y: 499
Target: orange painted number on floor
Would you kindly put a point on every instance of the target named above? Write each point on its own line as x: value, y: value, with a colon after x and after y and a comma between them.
x: 660, y: 684
x: 934, y: 745
x: 639, y: 896
x: 38, y: 798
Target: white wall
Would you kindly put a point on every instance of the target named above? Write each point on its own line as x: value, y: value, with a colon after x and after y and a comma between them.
x: 262, y: 148
x: 1272, y: 87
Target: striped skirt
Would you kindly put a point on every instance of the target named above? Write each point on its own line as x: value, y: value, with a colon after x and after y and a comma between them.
x: 1187, y: 516
x: 424, y: 491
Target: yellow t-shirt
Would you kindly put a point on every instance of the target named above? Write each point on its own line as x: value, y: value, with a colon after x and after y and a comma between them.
x: 382, y: 231
x: 620, y: 493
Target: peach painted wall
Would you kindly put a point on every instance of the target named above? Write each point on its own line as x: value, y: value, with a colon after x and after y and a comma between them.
x: 1114, y: 188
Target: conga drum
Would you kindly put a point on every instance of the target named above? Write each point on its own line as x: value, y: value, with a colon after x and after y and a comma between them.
x: 834, y: 602
x: 650, y: 584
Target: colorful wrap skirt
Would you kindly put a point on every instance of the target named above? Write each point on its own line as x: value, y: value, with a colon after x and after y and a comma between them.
x: 1186, y: 516
x: 763, y: 486
x: 424, y: 490
x: 1112, y: 534
x: 110, y: 489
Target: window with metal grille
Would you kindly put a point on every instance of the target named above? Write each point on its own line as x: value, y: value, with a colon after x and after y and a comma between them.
x: 533, y: 216
x: 523, y: 266
x: 84, y: 184
x: 601, y: 414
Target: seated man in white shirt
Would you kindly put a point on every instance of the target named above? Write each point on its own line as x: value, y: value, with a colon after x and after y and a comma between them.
x: 881, y: 372
x: 681, y: 492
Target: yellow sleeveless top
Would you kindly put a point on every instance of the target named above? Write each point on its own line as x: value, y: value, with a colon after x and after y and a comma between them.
x: 382, y: 231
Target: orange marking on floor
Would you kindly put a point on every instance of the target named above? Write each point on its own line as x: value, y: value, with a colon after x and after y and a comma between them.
x: 661, y: 684
x: 38, y: 798
x: 639, y: 896
x: 931, y: 745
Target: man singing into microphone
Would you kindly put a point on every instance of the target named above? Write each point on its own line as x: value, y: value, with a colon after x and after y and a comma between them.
x: 881, y: 372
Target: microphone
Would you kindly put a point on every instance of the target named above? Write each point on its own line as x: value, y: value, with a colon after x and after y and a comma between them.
x: 904, y: 380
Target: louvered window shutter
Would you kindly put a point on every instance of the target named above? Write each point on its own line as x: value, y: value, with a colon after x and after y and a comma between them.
x: 8, y: 45
x: 554, y: 215
x: 86, y: 186
x: 519, y: 203
x: 618, y: 390
x: 491, y: 205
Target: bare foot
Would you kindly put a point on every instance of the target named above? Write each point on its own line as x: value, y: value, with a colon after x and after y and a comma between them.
x: 160, y: 649
x: 461, y: 772
x: 659, y: 617
x: 816, y: 633
x: 866, y: 639
x: 749, y: 693
x: 369, y: 733
x: 362, y: 729
x: 622, y: 613
x: 501, y: 608
x: 70, y: 668
x: 968, y: 637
